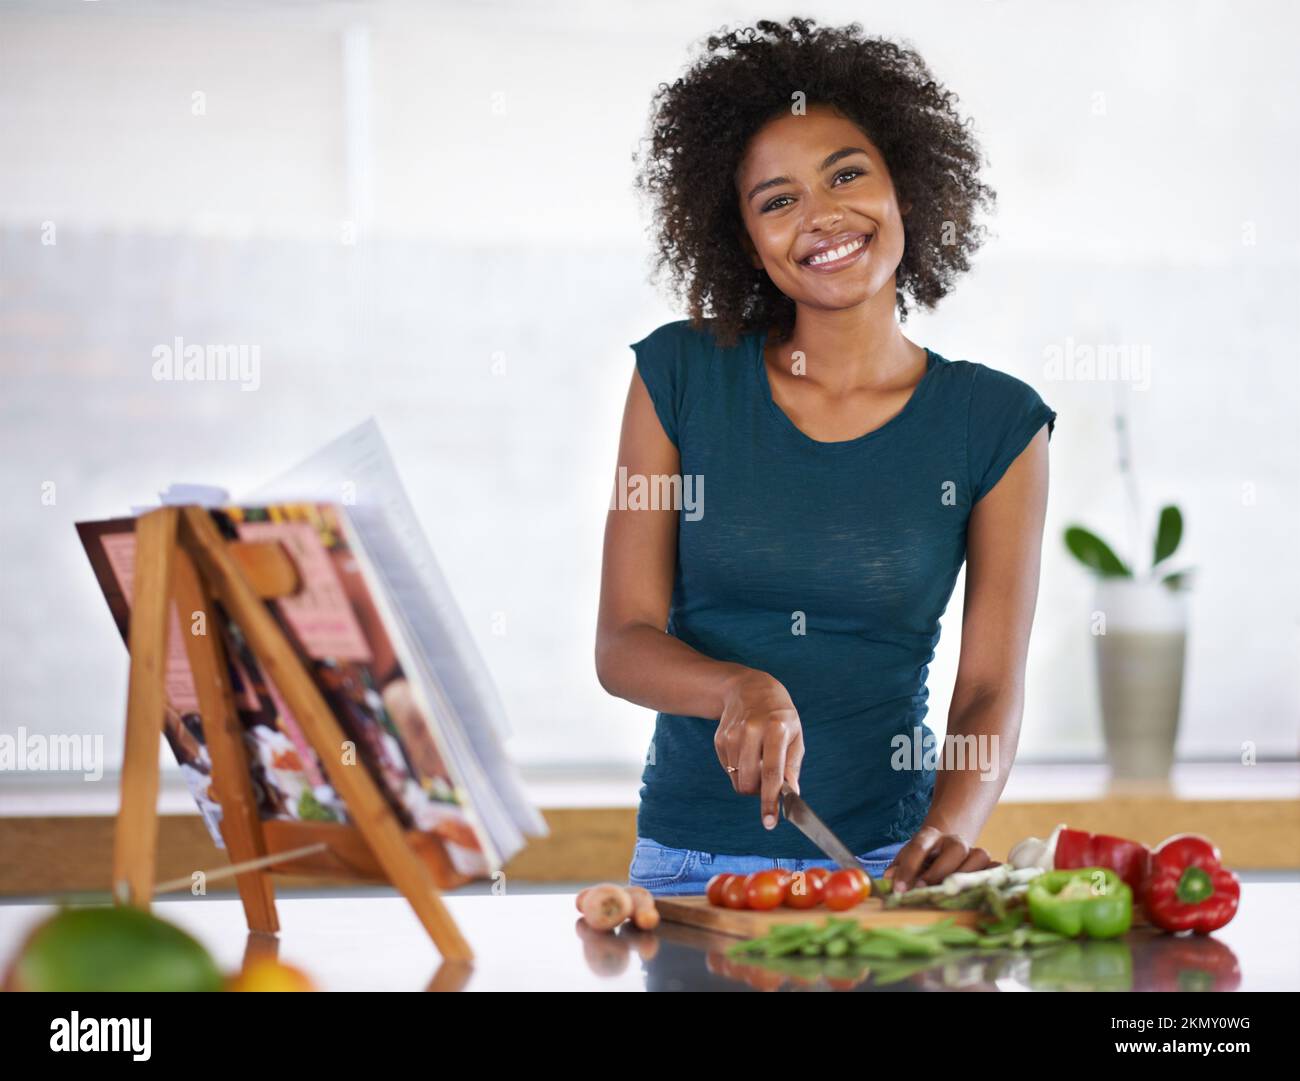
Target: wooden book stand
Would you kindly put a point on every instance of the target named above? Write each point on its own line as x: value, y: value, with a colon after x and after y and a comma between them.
x: 180, y: 555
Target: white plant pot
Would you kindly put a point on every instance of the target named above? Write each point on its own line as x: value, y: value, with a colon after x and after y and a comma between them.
x: 1140, y: 631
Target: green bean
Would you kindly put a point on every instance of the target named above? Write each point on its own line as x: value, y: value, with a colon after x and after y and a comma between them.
x: 957, y: 936
x: 774, y: 945
x: 1009, y: 922
x: 909, y: 944
x: 928, y: 928
x: 915, y: 897
x: 835, y: 929
x: 877, y: 949
x: 967, y: 899
x: 907, y: 930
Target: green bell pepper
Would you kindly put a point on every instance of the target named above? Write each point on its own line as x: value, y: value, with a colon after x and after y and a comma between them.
x: 1092, y: 901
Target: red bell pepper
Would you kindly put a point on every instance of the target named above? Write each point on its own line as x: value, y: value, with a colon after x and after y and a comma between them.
x: 1128, y: 859
x: 1188, y: 889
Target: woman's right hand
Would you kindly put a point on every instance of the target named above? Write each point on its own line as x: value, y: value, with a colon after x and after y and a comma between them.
x: 759, y: 740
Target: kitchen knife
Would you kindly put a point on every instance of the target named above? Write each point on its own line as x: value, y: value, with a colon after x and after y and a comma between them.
x: 812, y: 827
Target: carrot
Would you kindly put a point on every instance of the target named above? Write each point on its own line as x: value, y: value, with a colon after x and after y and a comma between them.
x: 644, y: 913
x: 605, y: 906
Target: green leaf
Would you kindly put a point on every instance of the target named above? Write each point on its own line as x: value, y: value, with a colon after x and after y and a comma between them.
x: 1168, y: 533
x: 1094, y: 553
x: 1179, y: 579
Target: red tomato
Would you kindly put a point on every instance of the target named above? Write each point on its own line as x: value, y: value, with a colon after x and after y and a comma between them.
x: 733, y: 892
x: 765, y: 889
x: 713, y: 891
x: 821, y: 874
x: 844, y: 889
x: 863, y: 878
x: 806, y: 889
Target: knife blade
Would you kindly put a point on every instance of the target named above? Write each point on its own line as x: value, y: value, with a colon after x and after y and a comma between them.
x: 801, y: 816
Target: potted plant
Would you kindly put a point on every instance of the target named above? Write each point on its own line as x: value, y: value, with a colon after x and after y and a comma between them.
x: 1139, y: 627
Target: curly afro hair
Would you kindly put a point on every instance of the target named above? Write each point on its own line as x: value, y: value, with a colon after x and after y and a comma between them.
x: 700, y: 126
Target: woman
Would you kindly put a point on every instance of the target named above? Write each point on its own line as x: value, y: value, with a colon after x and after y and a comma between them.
x: 806, y: 182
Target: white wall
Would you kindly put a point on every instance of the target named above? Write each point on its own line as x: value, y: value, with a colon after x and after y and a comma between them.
x: 1132, y: 152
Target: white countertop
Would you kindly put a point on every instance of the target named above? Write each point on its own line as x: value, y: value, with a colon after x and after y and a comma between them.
x: 533, y: 942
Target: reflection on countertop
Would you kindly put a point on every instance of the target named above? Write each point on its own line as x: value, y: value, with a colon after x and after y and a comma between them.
x: 536, y: 942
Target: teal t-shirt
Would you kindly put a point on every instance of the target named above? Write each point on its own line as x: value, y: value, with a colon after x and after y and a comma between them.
x: 826, y: 565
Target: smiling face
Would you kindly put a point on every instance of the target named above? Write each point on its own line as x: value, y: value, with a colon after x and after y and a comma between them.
x: 820, y: 211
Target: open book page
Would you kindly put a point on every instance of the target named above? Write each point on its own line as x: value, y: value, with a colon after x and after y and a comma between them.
x: 426, y: 630
x: 429, y: 718
x: 334, y: 624
x: 356, y: 469
x: 287, y: 778
x: 378, y: 628
x: 341, y: 630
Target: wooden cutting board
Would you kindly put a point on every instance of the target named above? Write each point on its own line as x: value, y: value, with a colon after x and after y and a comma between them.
x: 696, y: 911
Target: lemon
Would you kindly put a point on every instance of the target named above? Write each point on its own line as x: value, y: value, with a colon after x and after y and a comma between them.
x: 267, y: 974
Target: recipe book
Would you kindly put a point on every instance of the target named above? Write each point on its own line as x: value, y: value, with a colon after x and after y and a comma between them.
x: 375, y: 625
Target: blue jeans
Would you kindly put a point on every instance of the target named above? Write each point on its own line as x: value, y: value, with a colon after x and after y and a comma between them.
x: 668, y: 871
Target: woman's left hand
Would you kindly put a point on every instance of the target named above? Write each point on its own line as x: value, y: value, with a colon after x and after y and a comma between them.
x: 931, y: 856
